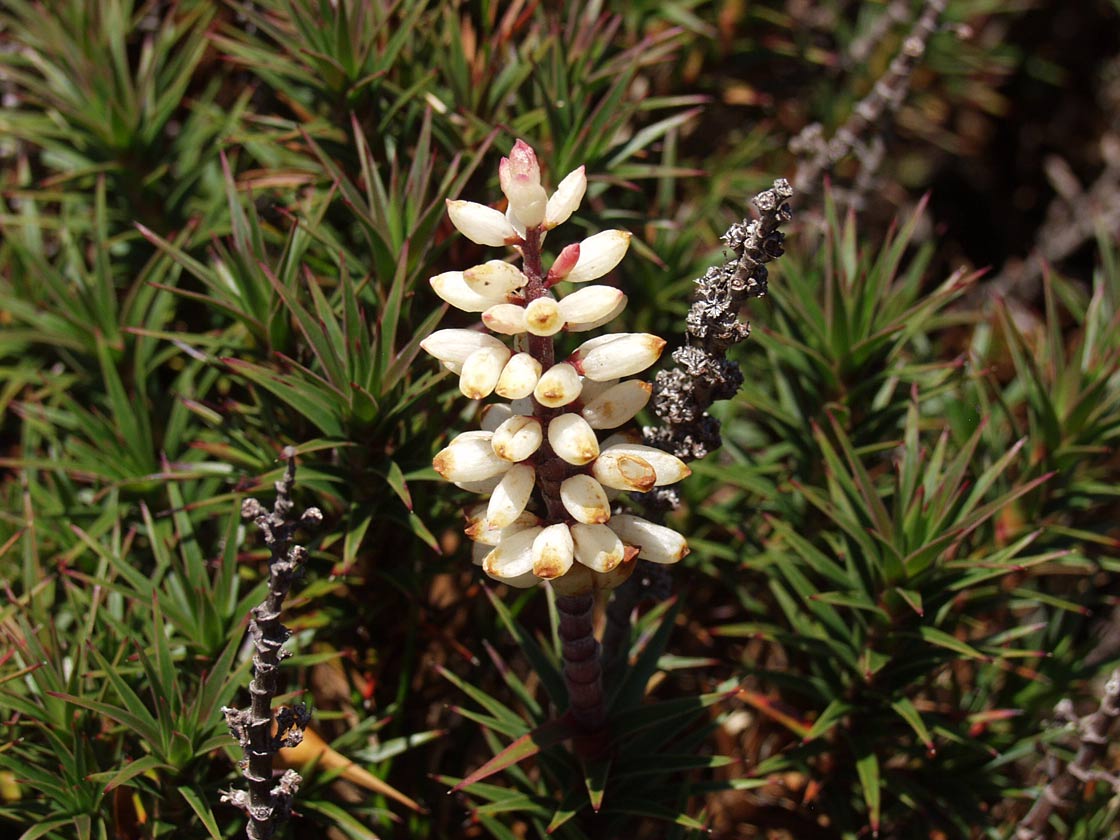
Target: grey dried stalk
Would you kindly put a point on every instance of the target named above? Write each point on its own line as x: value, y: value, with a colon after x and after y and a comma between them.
x: 1063, y: 787
x: 260, y: 733
x: 703, y: 374
x: 869, y: 115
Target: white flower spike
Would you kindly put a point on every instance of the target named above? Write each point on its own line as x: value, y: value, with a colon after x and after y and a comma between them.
x: 539, y: 456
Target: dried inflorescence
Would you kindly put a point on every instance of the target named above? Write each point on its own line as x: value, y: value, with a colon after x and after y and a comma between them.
x: 683, y: 395
x: 551, y: 477
x: 260, y: 733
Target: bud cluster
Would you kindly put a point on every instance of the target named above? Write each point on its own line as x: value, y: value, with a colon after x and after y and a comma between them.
x: 551, y: 479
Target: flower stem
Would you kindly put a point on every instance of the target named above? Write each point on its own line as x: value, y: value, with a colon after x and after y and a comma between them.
x: 583, y: 669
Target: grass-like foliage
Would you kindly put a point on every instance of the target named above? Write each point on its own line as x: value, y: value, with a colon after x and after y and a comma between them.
x: 217, y: 223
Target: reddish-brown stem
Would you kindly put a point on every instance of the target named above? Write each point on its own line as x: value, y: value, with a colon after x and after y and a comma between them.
x: 583, y: 669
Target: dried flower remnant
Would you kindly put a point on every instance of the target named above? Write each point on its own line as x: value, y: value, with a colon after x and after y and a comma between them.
x: 261, y: 733
x: 545, y: 456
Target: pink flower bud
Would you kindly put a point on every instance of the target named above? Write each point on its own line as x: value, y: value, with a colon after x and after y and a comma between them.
x: 520, y: 179
x: 565, y: 262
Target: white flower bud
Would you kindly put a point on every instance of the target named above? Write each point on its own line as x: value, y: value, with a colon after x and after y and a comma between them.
x: 553, y: 552
x: 482, y: 488
x: 592, y: 389
x: 655, y: 543
x: 505, y: 318
x: 599, y: 254
x: 669, y: 469
x: 517, y: 438
x: 584, y: 326
x: 559, y: 386
x: 520, y: 179
x: 519, y: 377
x: 572, y: 439
x: 453, y: 288
x: 494, y: 414
x: 495, y: 279
x: 455, y: 345
x: 589, y: 303
x: 480, y: 223
x: 568, y: 195
x: 597, y: 547
x: 617, y: 405
x: 623, y: 471
x: 542, y: 316
x: 481, y: 370
x: 627, y: 354
x: 510, y: 496
x: 514, y: 555
x: 585, y: 500
x: 469, y: 459
x: 479, y: 530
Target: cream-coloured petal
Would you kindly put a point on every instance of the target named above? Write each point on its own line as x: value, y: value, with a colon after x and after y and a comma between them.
x: 558, y: 386
x: 513, y: 556
x: 510, y: 496
x: 479, y: 530
x: 592, y: 389
x: 585, y: 500
x: 616, y: 576
x: 481, y: 371
x: 453, y: 288
x: 590, y: 303
x: 542, y: 317
x: 597, y: 547
x: 655, y: 543
x: 628, y: 354
x: 495, y: 278
x: 553, y: 552
x: 599, y: 254
x: 472, y: 459
x: 668, y: 468
x: 624, y: 471
x: 455, y: 345
x: 617, y: 405
x: 483, y: 488
x: 506, y: 318
x: 494, y: 414
x: 585, y: 326
x: 568, y: 195
x: 517, y: 438
x: 572, y: 439
x: 480, y: 223
x: 519, y: 377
